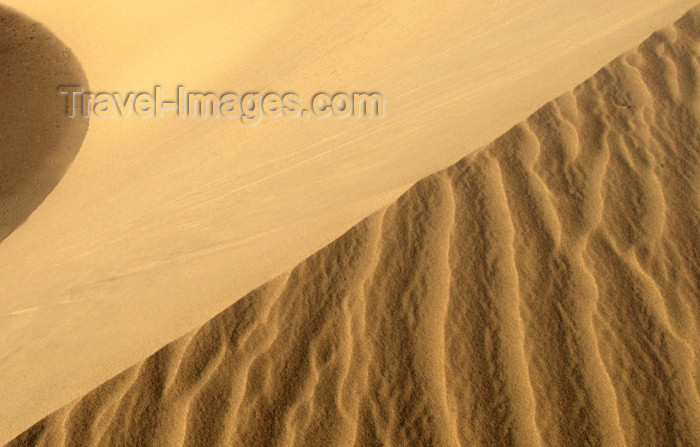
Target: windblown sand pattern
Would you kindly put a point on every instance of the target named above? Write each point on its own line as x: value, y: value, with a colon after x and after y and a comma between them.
x: 37, y: 140
x: 544, y: 291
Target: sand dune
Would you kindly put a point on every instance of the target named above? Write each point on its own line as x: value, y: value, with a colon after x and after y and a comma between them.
x: 160, y: 224
x: 543, y: 291
x: 37, y: 140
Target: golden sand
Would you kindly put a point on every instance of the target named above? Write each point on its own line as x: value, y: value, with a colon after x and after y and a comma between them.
x: 543, y: 291
x: 160, y: 224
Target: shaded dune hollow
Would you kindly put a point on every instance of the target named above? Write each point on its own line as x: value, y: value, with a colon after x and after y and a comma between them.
x: 544, y: 291
x: 38, y: 141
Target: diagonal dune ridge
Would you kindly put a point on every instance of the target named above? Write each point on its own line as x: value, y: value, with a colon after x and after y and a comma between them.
x: 159, y: 224
x: 37, y: 140
x: 543, y: 291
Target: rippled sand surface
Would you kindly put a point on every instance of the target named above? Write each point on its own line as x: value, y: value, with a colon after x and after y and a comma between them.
x: 544, y: 291
x: 160, y: 224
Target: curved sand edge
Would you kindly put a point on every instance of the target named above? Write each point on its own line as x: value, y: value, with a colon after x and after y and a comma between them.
x: 37, y: 140
x: 543, y: 291
x: 160, y: 224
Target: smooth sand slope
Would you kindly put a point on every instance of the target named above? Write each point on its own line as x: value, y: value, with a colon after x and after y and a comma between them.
x: 37, y: 140
x: 544, y: 291
x: 160, y: 224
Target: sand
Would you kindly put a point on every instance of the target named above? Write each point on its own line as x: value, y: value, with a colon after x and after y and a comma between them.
x: 543, y: 291
x: 37, y: 141
x: 159, y: 225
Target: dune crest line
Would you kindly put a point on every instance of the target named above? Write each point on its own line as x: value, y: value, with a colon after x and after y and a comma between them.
x: 544, y: 291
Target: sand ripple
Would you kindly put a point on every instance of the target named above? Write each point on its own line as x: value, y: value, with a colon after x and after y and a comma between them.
x: 544, y: 291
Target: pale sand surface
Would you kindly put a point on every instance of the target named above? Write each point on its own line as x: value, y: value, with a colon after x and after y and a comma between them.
x: 160, y: 224
x: 544, y: 291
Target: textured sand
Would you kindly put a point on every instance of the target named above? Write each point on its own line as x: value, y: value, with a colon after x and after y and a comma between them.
x: 159, y: 225
x: 543, y: 291
x: 37, y: 140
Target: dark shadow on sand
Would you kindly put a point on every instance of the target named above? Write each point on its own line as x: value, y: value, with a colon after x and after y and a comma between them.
x: 37, y: 140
